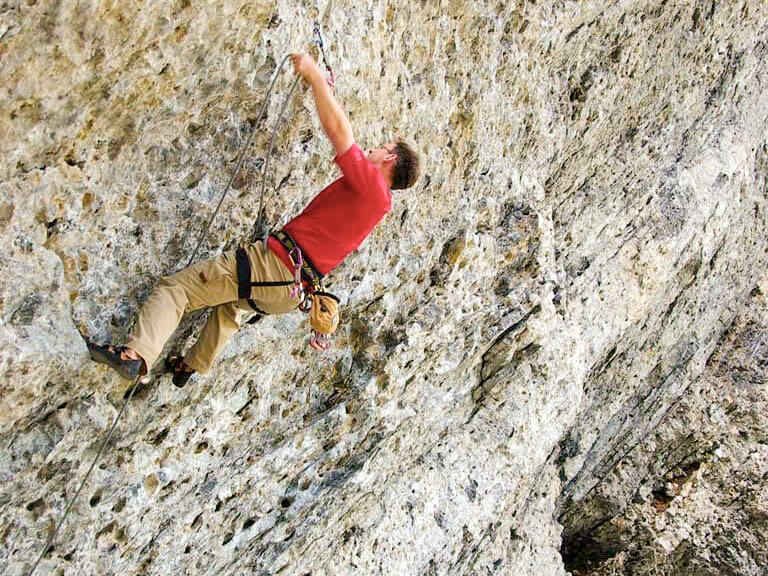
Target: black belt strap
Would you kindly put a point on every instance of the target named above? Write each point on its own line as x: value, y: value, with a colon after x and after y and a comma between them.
x: 255, y: 308
x: 243, y: 274
x: 244, y: 283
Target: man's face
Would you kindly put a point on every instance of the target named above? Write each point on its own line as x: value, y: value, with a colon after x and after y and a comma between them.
x: 377, y: 155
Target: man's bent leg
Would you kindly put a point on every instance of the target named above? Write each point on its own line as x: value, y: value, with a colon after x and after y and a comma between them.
x: 208, y: 283
x: 223, y: 322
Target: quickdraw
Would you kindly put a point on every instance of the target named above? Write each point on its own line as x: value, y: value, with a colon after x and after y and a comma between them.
x: 317, y: 340
x: 319, y: 41
x: 298, y: 288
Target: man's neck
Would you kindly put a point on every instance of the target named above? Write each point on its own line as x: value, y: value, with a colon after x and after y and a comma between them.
x: 387, y: 178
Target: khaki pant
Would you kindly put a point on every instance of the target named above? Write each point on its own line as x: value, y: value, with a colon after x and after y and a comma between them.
x: 209, y: 283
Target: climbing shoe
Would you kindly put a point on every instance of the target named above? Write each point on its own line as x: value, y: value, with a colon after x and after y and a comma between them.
x: 175, y: 365
x: 110, y: 355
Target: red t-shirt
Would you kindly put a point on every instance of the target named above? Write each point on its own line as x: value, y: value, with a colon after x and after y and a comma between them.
x: 341, y: 216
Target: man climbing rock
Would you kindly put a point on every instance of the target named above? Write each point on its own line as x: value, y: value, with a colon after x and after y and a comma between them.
x: 271, y: 280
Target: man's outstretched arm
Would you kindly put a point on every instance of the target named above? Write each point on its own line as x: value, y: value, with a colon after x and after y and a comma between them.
x: 332, y: 116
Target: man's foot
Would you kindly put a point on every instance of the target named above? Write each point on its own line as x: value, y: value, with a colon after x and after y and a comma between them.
x: 181, y: 372
x: 117, y: 358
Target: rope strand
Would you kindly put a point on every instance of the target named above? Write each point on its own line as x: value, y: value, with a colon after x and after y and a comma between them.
x: 87, y: 474
x: 207, y: 227
x: 260, y: 222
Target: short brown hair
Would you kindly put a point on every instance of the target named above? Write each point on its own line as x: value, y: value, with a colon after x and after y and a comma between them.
x: 405, y: 172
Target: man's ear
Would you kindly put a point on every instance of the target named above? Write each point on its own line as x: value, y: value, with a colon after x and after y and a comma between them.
x: 390, y: 158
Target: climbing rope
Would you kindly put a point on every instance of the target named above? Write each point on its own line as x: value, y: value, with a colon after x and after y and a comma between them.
x: 261, y: 230
x: 87, y: 474
x: 261, y: 227
x: 240, y: 159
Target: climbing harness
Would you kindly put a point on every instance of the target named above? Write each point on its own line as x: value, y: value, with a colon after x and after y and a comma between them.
x: 303, y: 272
x: 322, y: 306
x: 244, y: 283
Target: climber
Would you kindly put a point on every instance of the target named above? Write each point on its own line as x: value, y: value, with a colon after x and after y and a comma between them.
x: 334, y: 224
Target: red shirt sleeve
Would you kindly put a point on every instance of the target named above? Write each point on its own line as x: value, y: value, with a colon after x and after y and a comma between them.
x: 361, y: 175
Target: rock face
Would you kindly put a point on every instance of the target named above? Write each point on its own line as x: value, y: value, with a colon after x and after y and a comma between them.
x: 689, y: 497
x: 552, y: 356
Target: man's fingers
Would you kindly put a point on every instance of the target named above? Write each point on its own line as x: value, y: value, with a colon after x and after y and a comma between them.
x: 303, y: 65
x: 296, y: 59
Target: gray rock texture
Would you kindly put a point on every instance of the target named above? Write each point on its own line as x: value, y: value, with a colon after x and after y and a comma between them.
x: 690, y: 496
x: 552, y: 356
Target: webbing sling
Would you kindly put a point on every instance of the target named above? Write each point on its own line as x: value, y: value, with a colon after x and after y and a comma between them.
x: 308, y: 270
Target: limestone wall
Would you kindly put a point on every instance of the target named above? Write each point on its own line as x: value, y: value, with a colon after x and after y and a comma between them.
x: 522, y: 335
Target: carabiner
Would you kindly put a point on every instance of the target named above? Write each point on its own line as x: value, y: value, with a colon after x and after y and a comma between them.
x: 319, y: 41
x: 298, y: 261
